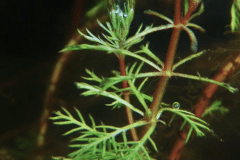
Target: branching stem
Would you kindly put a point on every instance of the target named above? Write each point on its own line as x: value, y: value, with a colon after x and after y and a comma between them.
x: 161, y: 86
x: 163, y: 81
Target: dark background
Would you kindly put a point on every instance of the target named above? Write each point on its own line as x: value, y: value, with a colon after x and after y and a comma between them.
x: 32, y: 33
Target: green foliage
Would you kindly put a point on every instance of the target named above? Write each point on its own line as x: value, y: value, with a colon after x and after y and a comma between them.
x: 96, y: 90
x: 110, y: 142
x: 235, y: 14
x: 215, y: 107
x: 99, y: 141
x: 100, y: 5
x: 121, y: 14
x: 195, y: 124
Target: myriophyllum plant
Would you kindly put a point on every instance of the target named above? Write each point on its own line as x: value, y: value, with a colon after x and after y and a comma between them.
x: 121, y: 13
x: 110, y: 142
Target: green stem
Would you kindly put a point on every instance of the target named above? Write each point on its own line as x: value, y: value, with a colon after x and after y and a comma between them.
x: 192, y: 56
x: 212, y: 81
x: 148, y: 31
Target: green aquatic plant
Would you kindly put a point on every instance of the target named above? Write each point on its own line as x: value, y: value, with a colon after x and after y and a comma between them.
x: 235, y: 14
x: 110, y: 142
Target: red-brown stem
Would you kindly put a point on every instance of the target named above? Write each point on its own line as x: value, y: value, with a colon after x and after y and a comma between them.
x: 161, y: 86
x: 223, y: 73
x: 122, y: 67
x: 163, y: 81
x: 177, y: 12
x: 159, y: 92
x: 178, y: 146
x: 190, y: 2
x: 203, y: 102
x: 49, y: 99
x: 191, y: 9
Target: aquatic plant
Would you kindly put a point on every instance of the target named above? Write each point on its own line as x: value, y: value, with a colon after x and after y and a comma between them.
x: 111, y: 142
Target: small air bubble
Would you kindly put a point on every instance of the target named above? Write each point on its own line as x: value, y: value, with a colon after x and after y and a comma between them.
x: 176, y: 105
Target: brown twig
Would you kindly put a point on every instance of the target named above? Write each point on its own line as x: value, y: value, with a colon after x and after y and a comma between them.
x: 203, y: 102
x: 49, y: 99
x: 126, y: 96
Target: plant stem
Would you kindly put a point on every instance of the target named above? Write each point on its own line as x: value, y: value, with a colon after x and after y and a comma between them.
x: 163, y: 81
x: 203, y: 79
x: 221, y: 76
x: 126, y: 96
x: 178, y: 146
x: 49, y: 99
x: 177, y: 12
x: 145, y: 32
x: 203, y: 102
x: 161, y: 86
x: 191, y: 9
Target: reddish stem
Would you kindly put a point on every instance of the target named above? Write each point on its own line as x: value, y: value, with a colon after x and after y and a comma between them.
x: 177, y: 12
x: 163, y: 81
x: 126, y: 96
x: 203, y: 102
x: 159, y: 92
x: 223, y: 73
x: 178, y: 146
x: 190, y: 2
x: 191, y: 9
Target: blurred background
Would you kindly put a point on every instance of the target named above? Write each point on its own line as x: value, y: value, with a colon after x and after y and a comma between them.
x: 33, y: 33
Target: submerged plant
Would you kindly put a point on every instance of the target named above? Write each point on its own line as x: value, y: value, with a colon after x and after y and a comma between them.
x: 110, y: 142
